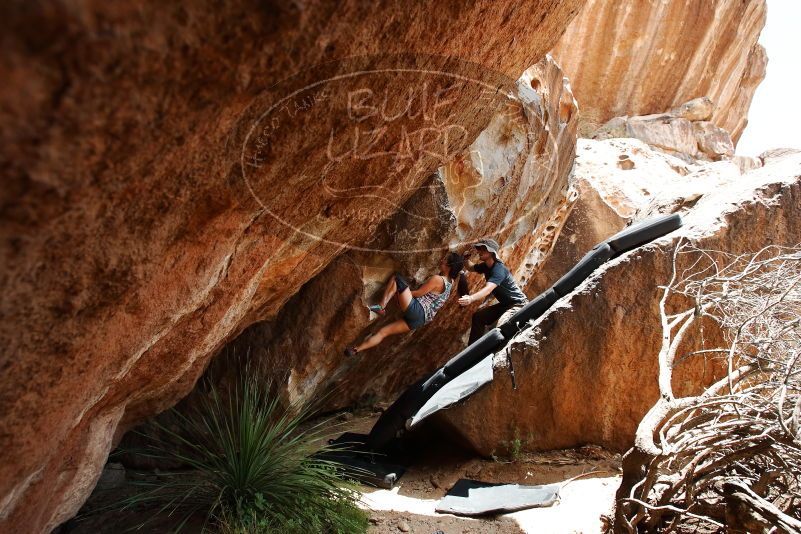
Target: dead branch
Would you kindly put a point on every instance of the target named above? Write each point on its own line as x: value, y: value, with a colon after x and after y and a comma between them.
x: 731, y: 454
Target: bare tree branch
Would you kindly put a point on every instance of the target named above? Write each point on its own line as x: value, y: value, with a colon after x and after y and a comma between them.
x: 731, y: 455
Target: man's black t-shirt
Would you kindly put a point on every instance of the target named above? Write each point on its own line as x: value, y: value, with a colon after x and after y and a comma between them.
x: 507, y: 292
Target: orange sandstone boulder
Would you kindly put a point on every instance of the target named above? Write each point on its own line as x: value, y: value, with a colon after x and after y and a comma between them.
x: 511, y: 184
x: 173, y: 173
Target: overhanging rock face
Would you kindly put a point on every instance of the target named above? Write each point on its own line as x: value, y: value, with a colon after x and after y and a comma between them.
x: 511, y: 183
x: 150, y: 213
x: 586, y: 371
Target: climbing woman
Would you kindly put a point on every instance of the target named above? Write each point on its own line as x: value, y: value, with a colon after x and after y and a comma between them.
x: 419, y: 306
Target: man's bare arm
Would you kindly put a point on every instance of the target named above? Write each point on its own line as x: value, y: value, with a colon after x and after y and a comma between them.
x: 481, y: 294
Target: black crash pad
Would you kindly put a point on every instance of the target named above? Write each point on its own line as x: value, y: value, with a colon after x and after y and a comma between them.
x: 359, y: 463
x: 392, y: 422
x: 473, y: 498
x: 643, y: 232
x: 531, y: 311
x: 480, y: 349
x: 596, y: 257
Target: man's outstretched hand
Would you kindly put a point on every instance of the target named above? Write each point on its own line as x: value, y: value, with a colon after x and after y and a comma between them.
x: 466, y: 300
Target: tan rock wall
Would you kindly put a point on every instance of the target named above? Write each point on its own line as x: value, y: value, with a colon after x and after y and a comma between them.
x: 619, y: 181
x: 132, y: 247
x: 635, y: 57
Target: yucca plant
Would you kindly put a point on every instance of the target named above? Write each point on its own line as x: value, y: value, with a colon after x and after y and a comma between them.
x: 250, y: 467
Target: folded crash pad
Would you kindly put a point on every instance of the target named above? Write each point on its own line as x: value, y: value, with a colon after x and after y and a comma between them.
x: 357, y: 462
x: 472, y: 498
x: 457, y: 389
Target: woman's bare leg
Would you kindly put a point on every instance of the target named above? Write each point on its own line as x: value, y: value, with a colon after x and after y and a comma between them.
x: 389, y: 290
x: 405, y: 298
x: 398, y: 327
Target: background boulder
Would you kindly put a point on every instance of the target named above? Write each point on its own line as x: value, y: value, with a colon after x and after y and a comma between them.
x: 586, y: 372
x: 639, y: 58
x: 676, y: 132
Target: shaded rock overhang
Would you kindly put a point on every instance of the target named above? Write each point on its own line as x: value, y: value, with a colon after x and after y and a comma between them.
x: 132, y: 247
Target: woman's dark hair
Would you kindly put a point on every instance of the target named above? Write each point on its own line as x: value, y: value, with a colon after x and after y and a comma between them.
x: 455, y: 262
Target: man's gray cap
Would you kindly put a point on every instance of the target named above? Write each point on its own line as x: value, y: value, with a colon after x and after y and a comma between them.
x: 489, y: 244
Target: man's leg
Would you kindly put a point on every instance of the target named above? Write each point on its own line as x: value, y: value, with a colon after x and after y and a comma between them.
x: 508, y: 313
x: 483, y: 318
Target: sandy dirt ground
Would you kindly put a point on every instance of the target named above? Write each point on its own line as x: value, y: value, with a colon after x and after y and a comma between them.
x: 409, y: 507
